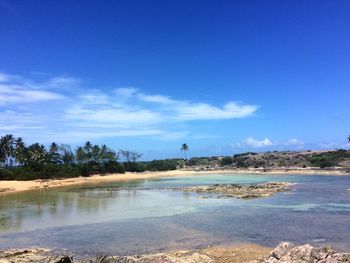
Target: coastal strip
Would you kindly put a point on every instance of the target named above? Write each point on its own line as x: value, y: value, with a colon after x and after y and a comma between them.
x: 7, y: 186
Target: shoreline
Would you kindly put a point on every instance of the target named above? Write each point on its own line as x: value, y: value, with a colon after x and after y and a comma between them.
x: 237, y: 253
x: 245, y: 252
x: 7, y: 186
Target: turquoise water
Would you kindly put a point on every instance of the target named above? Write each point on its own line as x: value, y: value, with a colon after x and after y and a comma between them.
x: 101, y: 218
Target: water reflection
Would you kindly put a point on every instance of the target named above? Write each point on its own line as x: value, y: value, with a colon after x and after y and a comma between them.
x: 134, y: 220
x: 28, y: 211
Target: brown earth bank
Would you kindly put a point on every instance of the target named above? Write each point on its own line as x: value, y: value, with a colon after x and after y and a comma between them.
x: 284, y: 253
x: 16, y: 186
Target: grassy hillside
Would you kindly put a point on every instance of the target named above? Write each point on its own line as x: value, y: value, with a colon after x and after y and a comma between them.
x: 286, y: 159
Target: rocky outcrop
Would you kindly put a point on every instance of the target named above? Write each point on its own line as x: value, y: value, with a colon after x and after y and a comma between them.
x: 177, y: 257
x: 283, y: 253
x: 39, y: 255
x: 287, y: 252
x: 237, y: 190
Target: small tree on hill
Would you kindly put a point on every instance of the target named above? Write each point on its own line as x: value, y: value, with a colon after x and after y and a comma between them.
x: 184, y: 149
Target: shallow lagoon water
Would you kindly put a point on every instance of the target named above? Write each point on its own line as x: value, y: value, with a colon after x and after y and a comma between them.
x: 92, y: 219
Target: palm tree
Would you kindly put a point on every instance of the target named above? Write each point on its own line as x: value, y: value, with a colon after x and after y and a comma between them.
x: 88, y: 150
x: 349, y: 138
x: 54, y: 154
x: 7, y: 148
x: 184, y: 149
x: 53, y: 148
x: 107, y: 154
x: 95, y: 152
x: 67, y: 154
x: 21, y: 152
x: 2, y: 150
x: 37, y: 154
x: 80, y: 155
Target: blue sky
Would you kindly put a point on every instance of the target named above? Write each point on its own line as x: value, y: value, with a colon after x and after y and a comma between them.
x: 223, y: 76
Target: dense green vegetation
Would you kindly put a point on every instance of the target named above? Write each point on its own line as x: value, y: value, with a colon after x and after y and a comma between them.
x: 19, y: 161
x: 276, y: 159
x: 243, y: 154
x: 227, y: 160
x: 328, y: 159
x: 199, y: 161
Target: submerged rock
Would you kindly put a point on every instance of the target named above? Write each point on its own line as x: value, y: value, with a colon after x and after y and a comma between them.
x: 237, y: 190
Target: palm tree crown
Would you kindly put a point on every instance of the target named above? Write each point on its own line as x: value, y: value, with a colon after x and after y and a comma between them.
x: 184, y: 148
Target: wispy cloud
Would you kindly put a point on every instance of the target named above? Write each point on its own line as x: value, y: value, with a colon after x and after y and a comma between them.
x: 251, y: 142
x: 203, y: 111
x: 62, y: 107
x: 63, y: 82
x: 180, y: 110
x: 333, y: 145
x: 13, y: 94
x: 132, y: 108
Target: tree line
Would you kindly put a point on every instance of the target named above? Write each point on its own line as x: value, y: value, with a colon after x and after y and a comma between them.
x: 19, y: 161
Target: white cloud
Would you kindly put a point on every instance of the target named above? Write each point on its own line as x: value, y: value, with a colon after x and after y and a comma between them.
x: 126, y: 92
x: 333, y: 145
x: 81, y: 135
x: 294, y: 142
x: 113, y: 115
x: 134, y: 109
x: 34, y: 108
x: 250, y: 142
x: 94, y: 98
x: 155, y: 98
x: 12, y: 94
x: 13, y: 78
x: 3, y: 77
x: 62, y: 82
x: 203, y: 111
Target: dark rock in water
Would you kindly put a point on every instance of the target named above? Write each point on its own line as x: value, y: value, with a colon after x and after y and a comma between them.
x: 65, y: 259
x: 238, y: 190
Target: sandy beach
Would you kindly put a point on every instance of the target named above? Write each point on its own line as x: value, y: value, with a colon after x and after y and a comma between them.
x: 7, y: 187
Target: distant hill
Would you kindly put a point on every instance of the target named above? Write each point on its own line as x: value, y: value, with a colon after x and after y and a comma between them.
x: 276, y: 159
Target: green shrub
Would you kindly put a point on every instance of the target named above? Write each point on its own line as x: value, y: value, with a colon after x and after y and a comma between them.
x: 328, y: 159
x: 243, y: 154
x: 134, y: 166
x: 226, y: 161
x: 240, y: 162
x: 113, y: 167
x: 161, y: 165
x: 6, y: 174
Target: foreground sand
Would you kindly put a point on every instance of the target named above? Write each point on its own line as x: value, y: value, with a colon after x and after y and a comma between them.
x: 16, y: 186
